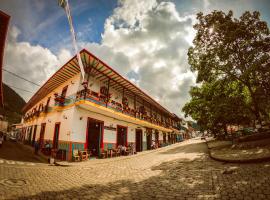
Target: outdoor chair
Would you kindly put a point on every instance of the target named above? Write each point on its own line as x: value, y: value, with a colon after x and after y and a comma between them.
x: 127, y: 151
x: 83, y: 155
x: 103, y: 154
x: 76, y: 155
x: 89, y: 153
x: 117, y: 152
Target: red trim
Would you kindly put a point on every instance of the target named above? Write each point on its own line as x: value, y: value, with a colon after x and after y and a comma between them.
x: 57, y: 123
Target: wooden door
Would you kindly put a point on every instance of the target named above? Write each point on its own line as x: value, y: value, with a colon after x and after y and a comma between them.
x: 42, y: 132
x: 56, y: 135
x: 139, y: 140
x: 34, y: 135
x: 94, y: 139
x: 121, y: 135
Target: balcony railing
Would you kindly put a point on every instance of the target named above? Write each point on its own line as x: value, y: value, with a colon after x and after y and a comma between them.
x: 103, y: 100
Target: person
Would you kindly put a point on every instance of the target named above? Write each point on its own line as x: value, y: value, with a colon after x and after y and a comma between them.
x: 153, y: 145
x: 36, y: 146
x: 1, y: 138
x: 133, y: 150
x: 123, y: 149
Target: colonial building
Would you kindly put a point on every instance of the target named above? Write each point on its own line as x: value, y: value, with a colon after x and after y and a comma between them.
x: 104, y: 111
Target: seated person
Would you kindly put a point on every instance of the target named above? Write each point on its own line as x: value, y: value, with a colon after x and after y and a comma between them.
x: 47, y: 145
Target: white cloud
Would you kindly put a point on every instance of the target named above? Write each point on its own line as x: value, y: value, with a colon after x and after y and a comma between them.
x: 146, y: 41
x: 33, y: 62
x: 154, y: 38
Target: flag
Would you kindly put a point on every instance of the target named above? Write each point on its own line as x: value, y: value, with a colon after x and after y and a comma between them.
x: 64, y: 4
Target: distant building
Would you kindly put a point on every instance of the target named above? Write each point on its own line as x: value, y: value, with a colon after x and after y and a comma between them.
x: 105, y: 111
x: 4, y: 21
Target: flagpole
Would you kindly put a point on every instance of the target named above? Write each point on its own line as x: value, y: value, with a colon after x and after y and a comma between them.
x: 64, y: 4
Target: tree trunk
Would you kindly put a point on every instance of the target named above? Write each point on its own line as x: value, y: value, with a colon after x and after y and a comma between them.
x: 256, y: 109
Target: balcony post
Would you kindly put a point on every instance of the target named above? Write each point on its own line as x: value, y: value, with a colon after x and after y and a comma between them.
x: 123, y: 95
x: 135, y: 109
x: 108, y: 93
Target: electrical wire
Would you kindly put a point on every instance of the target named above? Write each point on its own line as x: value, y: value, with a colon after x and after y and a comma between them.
x: 18, y: 76
x: 18, y: 88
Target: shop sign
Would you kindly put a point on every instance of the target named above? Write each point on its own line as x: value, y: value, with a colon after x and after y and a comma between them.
x: 110, y: 128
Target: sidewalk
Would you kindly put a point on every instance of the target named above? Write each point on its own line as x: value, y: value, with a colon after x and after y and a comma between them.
x: 242, y: 153
x: 116, y: 159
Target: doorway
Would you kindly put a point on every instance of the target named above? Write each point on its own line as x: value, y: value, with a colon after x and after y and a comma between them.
x: 29, y: 135
x: 164, y: 138
x: 149, y: 138
x: 156, y: 137
x: 121, y: 135
x: 56, y: 135
x: 42, y: 132
x: 94, y: 136
x: 139, y: 140
x: 34, y: 135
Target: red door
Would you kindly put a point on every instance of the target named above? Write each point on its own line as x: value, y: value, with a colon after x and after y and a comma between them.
x: 56, y: 135
x: 42, y: 132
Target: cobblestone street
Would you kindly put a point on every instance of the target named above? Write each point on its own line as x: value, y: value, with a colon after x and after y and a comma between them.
x: 179, y: 171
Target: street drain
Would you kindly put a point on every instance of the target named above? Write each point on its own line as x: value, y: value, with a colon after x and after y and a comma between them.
x: 13, y: 182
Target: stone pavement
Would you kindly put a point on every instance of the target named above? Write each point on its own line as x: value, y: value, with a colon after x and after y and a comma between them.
x: 240, y: 153
x: 181, y: 171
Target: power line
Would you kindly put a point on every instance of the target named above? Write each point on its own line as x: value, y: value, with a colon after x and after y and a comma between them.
x: 18, y: 76
x: 18, y: 88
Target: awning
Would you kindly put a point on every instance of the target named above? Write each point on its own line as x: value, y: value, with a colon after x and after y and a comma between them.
x: 101, y: 71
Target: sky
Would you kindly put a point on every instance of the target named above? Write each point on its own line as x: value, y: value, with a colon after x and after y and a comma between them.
x: 144, y: 40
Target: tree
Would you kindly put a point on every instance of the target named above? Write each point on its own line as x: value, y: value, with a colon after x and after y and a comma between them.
x: 235, y: 51
x: 217, y: 104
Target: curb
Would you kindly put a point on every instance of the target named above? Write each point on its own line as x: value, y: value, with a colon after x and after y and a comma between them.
x: 254, y: 160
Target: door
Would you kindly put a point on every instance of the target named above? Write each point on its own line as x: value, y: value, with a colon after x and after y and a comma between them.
x: 34, y: 135
x: 42, y: 132
x: 139, y: 140
x: 56, y: 135
x: 29, y: 134
x: 94, y: 138
x: 121, y: 135
x: 157, y: 137
x: 164, y: 138
x: 149, y: 139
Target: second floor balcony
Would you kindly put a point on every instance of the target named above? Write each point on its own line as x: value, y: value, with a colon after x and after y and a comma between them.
x: 105, y: 101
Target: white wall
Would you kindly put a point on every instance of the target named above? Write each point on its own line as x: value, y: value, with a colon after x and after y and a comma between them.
x: 79, y: 126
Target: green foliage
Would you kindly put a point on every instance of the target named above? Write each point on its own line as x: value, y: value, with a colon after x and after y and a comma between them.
x: 13, y: 104
x: 232, y: 59
x: 234, y: 50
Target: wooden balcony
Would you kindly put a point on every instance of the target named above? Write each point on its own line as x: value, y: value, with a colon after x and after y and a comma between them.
x: 103, y: 101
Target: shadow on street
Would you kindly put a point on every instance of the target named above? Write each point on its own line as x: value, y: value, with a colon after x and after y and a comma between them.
x: 17, y: 152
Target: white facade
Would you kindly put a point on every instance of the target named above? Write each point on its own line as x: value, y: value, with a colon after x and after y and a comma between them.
x: 78, y: 109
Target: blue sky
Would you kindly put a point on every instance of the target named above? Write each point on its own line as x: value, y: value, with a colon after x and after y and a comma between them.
x: 144, y: 40
x: 47, y: 24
